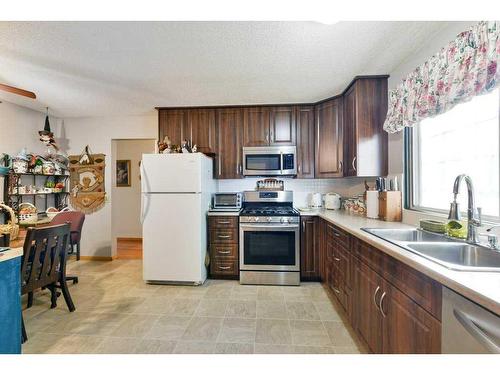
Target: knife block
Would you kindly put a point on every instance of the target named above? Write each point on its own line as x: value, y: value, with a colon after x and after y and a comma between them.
x: 389, y: 206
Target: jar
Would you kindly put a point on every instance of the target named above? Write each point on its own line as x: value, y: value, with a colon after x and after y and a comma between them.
x: 48, y: 167
x: 20, y: 165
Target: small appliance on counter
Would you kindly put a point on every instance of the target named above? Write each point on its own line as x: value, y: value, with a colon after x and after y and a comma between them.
x: 333, y: 201
x: 226, y: 202
x: 315, y: 200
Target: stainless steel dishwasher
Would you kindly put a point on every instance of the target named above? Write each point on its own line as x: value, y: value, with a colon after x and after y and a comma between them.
x: 468, y: 327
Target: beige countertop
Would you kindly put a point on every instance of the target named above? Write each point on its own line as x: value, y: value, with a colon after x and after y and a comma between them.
x: 224, y: 213
x: 11, y: 253
x: 480, y: 287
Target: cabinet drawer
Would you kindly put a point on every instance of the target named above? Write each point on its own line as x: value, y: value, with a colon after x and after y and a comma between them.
x: 223, y: 235
x: 220, y: 266
x: 223, y: 221
x: 337, y: 235
x: 420, y: 288
x: 224, y: 251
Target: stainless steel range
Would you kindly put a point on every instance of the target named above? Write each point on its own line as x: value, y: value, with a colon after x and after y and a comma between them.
x: 269, y: 239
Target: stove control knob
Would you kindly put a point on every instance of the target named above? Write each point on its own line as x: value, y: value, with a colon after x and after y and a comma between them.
x: 256, y: 219
x: 284, y: 220
x: 269, y: 219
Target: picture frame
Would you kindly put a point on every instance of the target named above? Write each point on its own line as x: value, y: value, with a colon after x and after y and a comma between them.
x: 123, y: 173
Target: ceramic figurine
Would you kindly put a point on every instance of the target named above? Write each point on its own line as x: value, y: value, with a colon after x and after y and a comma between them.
x: 46, y: 135
x: 185, y: 149
x: 195, y: 148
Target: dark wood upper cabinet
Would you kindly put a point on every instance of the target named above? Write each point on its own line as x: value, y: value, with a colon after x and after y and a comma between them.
x: 202, y: 126
x: 228, y: 151
x: 305, y: 141
x: 256, y: 126
x: 309, y: 249
x: 175, y: 124
x: 329, y: 144
x: 282, y: 129
x: 365, y: 141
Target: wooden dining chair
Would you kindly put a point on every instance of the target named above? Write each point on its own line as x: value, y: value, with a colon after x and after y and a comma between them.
x: 4, y: 240
x: 43, y: 264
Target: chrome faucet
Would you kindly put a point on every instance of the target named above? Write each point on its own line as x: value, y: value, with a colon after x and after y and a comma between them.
x: 473, y: 213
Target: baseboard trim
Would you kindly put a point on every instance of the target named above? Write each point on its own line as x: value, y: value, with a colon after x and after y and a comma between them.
x: 98, y: 258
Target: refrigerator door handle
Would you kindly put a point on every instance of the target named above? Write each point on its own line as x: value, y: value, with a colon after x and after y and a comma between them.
x: 144, y: 206
x: 144, y: 178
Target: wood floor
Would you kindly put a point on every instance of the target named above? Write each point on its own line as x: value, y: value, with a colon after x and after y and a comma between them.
x: 129, y: 248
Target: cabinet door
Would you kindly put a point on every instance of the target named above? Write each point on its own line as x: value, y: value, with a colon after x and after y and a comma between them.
x: 309, y: 249
x: 350, y: 135
x: 305, y: 141
x: 202, y: 123
x: 174, y: 123
x: 365, y: 110
x: 228, y: 157
x: 329, y: 139
x: 368, y: 319
x: 407, y: 328
x: 283, y: 130
x: 256, y: 126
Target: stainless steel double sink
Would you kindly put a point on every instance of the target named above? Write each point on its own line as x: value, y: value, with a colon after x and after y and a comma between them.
x: 450, y: 253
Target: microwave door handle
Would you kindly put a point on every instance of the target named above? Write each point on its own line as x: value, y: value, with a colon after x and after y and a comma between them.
x: 281, y: 164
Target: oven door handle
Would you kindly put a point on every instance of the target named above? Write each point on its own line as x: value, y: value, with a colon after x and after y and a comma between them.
x: 269, y: 226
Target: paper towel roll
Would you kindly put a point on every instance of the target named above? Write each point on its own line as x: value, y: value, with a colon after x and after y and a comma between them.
x: 372, y: 204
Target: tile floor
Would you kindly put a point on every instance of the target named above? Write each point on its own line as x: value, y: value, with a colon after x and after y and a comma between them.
x: 118, y: 313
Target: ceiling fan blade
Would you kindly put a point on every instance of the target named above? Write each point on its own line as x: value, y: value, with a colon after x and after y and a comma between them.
x: 17, y: 91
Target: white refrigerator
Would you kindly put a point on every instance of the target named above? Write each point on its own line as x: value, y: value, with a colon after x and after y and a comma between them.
x: 175, y: 198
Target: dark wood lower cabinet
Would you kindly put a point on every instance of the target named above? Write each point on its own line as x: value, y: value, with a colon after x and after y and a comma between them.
x: 223, y: 246
x: 392, y: 307
x: 407, y: 328
x: 309, y: 249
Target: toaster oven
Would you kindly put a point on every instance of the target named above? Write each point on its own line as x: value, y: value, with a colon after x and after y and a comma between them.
x: 226, y: 201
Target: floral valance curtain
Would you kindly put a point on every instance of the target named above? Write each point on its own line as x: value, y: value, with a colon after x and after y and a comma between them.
x: 466, y: 67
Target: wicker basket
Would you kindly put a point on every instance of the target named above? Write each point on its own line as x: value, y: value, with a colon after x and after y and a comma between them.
x: 26, y: 219
x: 11, y: 227
x: 51, y: 214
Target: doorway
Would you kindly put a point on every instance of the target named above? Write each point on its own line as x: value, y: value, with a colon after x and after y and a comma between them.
x: 126, y: 225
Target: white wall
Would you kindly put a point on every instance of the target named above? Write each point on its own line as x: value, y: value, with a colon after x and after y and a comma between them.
x: 98, y: 133
x: 126, y: 207
x: 347, y: 187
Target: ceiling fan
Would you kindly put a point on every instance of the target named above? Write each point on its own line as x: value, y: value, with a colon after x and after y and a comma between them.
x: 17, y: 91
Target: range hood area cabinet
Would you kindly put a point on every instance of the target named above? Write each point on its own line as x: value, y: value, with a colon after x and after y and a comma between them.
x: 365, y: 141
x: 269, y: 126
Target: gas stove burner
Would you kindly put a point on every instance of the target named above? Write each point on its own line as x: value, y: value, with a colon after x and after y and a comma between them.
x: 270, y: 211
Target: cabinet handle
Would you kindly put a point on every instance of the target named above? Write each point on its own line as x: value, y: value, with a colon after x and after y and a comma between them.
x: 336, y: 234
x: 336, y: 290
x: 223, y: 236
x: 224, y: 252
x: 224, y: 268
x: 223, y: 222
x: 375, y: 296
x: 341, y: 165
x: 299, y: 169
x: 336, y: 259
x: 304, y: 226
x: 354, y: 163
x: 381, y: 307
x: 271, y: 135
x: 267, y: 137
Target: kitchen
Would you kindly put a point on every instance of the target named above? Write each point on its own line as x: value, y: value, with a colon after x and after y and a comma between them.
x: 302, y: 224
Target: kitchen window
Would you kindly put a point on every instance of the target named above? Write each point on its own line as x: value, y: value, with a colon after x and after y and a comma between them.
x: 466, y: 139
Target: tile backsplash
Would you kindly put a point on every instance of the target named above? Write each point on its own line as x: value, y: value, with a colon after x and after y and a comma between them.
x: 346, y: 187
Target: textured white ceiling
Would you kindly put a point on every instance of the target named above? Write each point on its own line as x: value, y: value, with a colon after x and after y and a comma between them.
x: 108, y: 68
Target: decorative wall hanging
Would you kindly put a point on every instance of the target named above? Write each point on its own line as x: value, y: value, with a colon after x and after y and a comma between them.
x: 123, y: 173
x: 466, y: 67
x: 87, y: 181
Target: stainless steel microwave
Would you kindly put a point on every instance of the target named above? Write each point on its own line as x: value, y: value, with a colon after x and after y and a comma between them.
x: 226, y: 201
x: 270, y: 161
